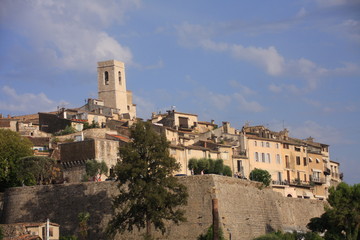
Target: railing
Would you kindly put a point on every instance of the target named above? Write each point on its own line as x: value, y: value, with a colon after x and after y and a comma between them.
x: 317, y: 179
x: 279, y: 182
x: 298, y: 182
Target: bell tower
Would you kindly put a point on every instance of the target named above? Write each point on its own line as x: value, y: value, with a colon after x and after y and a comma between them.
x: 112, y: 85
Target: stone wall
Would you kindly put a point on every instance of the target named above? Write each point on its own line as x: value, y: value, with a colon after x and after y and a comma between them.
x: 244, y: 210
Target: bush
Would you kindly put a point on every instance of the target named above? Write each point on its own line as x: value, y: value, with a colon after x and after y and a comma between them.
x: 209, y: 166
x: 289, y: 236
x: 209, y: 234
x: 260, y: 175
x: 66, y: 131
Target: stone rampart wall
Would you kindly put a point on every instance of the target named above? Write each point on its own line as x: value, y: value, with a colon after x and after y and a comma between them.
x: 245, y: 211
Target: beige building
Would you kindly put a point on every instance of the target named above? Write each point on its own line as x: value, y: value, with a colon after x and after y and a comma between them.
x: 31, y: 231
x: 112, y: 88
x: 299, y: 168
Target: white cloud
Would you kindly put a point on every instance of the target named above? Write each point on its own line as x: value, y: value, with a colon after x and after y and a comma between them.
x: 69, y: 34
x: 301, y: 13
x: 144, y: 107
x: 275, y: 88
x: 322, y: 133
x: 332, y: 3
x: 267, y: 58
x: 245, y: 105
x: 27, y: 102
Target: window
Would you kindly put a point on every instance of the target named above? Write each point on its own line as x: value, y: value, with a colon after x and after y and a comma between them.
x: 278, y: 159
x: 256, y: 156
x: 280, y: 177
x: 239, y: 166
x: 267, y: 144
x: 263, y: 157
x: 277, y: 145
x: 106, y: 78
x: 297, y: 160
x: 305, y: 162
x: 286, y: 146
x: 268, y: 157
x: 255, y: 143
x: 120, y: 78
x: 297, y: 149
x: 262, y: 144
x: 305, y: 177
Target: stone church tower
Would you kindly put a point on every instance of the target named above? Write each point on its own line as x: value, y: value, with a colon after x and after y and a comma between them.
x: 112, y: 88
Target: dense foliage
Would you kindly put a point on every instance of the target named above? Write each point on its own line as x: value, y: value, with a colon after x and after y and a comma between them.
x: 209, y: 235
x: 12, y: 148
x: 66, y: 131
x: 341, y: 219
x: 36, y: 170
x: 209, y: 166
x: 94, y: 167
x: 289, y: 236
x: 92, y: 125
x: 260, y: 175
x: 149, y: 193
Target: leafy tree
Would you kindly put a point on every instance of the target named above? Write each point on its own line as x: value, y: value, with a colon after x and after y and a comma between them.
x: 92, y: 125
x: 12, y: 148
x: 209, y: 166
x: 94, y: 167
x: 149, y: 193
x: 83, y: 218
x: 68, y: 238
x: 227, y: 171
x: 209, y: 234
x: 260, y: 175
x: 289, y: 236
x: 35, y: 170
x: 66, y: 131
x: 341, y: 219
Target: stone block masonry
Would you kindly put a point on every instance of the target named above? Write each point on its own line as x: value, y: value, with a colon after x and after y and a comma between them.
x: 244, y: 211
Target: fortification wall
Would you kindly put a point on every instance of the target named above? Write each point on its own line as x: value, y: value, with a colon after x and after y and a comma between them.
x: 245, y: 211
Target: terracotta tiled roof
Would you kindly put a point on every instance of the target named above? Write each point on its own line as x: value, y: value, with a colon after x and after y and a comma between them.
x: 122, y: 138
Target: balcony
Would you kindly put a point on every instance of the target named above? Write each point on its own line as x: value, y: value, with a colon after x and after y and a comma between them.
x: 337, y: 175
x: 282, y: 183
x: 297, y: 182
x: 317, y: 180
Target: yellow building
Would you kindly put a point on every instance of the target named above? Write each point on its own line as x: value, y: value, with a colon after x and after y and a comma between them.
x: 299, y: 168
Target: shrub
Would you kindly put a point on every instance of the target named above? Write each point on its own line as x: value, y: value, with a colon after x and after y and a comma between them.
x: 260, y: 175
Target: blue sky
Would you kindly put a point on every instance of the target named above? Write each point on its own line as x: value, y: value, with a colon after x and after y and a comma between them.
x: 293, y: 64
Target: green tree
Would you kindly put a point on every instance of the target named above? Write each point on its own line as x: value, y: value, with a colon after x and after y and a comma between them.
x: 66, y: 131
x: 83, y: 218
x: 289, y: 236
x: 341, y: 219
x: 12, y: 148
x: 35, y: 170
x: 209, y: 234
x: 209, y: 166
x: 149, y: 193
x: 94, y: 167
x: 260, y: 175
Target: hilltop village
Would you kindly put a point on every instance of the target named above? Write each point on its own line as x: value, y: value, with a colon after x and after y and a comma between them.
x: 300, y: 168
